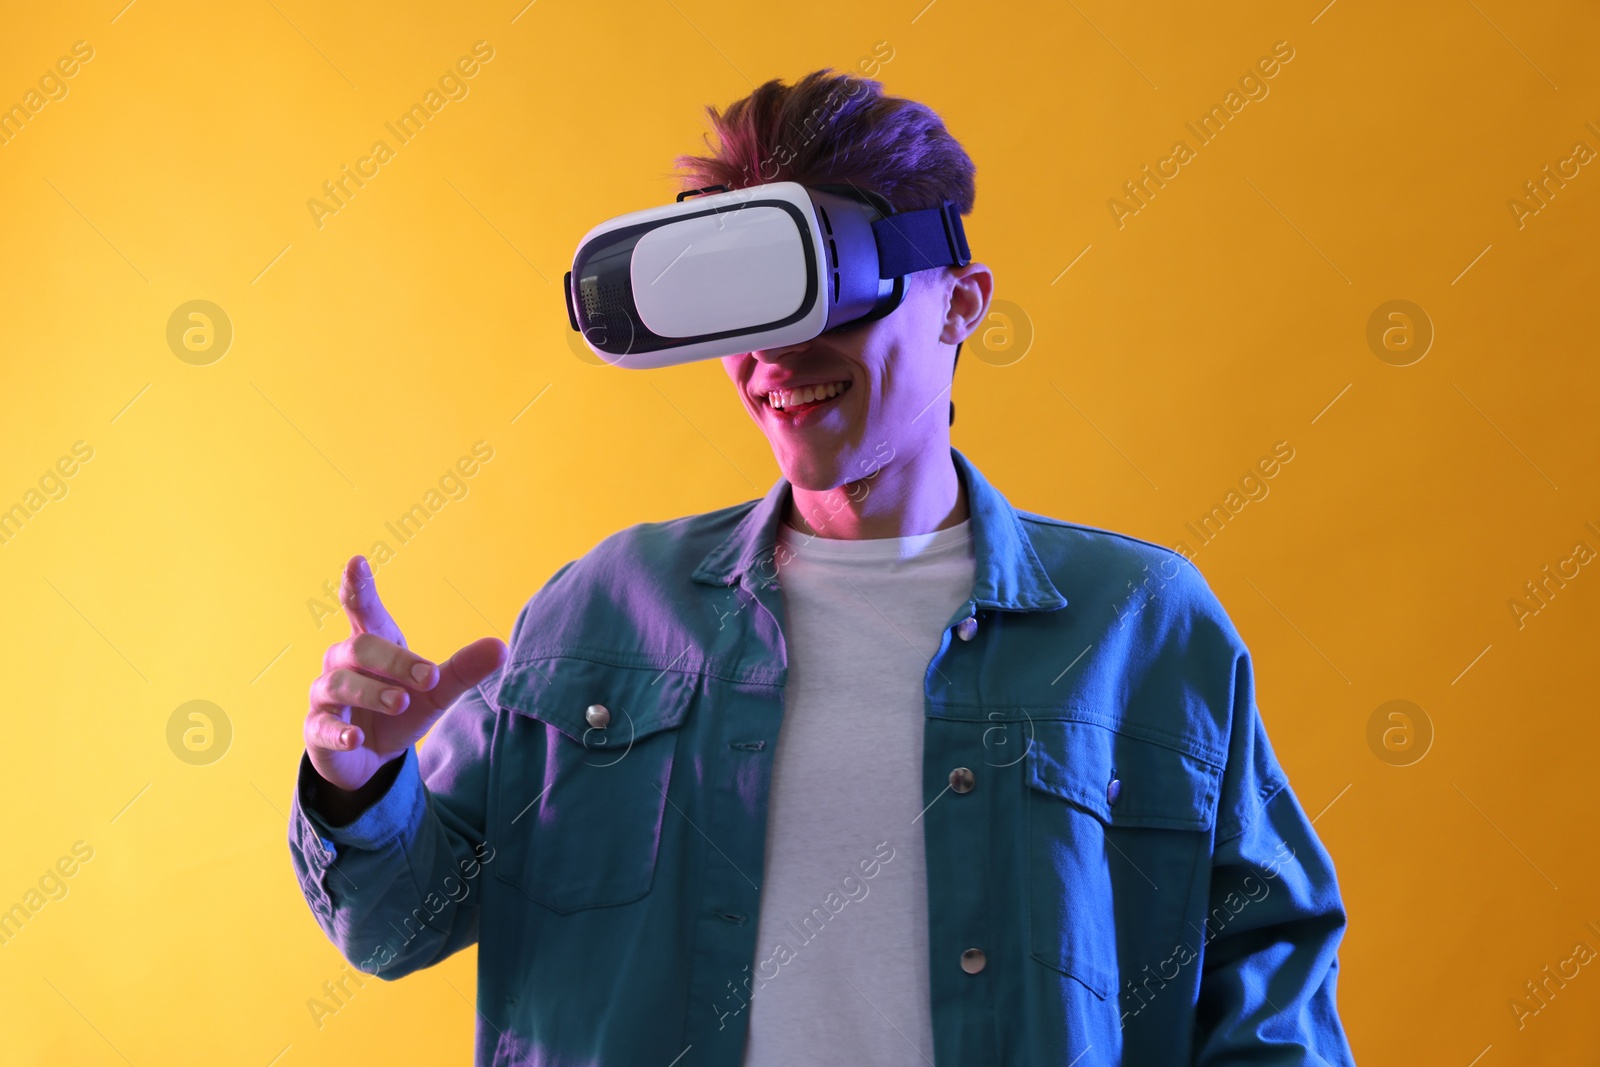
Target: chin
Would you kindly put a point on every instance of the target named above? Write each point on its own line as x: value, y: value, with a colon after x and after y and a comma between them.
x: 819, y: 471
x: 813, y: 472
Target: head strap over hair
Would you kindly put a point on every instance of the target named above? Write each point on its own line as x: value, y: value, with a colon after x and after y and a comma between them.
x: 920, y: 240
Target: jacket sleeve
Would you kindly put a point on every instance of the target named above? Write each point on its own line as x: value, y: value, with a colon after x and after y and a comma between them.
x: 1275, y: 918
x: 398, y: 888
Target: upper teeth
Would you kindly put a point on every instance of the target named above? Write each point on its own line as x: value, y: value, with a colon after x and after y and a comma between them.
x: 788, y: 398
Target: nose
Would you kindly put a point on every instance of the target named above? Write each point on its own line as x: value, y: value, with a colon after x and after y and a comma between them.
x: 773, y: 355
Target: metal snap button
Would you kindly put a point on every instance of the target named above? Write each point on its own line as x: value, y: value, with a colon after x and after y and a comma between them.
x: 961, y: 780
x: 597, y: 716
x: 973, y: 960
x: 967, y: 628
x: 1113, y: 790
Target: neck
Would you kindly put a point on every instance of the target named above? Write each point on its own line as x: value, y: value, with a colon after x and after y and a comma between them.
x: 912, y: 494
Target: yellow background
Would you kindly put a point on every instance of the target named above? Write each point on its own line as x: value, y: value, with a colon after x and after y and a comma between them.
x: 426, y: 315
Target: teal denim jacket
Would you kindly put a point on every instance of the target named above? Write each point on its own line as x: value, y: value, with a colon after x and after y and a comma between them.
x: 1129, y: 859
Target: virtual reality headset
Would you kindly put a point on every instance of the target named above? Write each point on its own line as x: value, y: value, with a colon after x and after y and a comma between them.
x: 754, y: 268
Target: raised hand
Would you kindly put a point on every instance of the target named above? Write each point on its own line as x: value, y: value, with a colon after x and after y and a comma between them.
x: 375, y: 697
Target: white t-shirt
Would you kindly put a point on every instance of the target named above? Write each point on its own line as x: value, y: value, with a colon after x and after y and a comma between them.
x: 841, y: 970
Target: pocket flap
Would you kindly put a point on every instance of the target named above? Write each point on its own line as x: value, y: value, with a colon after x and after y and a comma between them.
x: 560, y: 690
x: 579, y: 818
x: 1157, y: 785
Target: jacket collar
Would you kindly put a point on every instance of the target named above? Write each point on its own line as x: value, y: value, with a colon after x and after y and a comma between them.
x: 1008, y: 577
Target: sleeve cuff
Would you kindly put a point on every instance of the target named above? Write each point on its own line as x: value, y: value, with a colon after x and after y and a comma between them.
x: 390, y: 816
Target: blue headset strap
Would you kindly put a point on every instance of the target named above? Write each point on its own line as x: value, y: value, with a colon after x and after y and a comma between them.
x: 919, y: 240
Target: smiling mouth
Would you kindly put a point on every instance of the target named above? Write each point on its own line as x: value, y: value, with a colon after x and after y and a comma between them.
x: 807, y: 398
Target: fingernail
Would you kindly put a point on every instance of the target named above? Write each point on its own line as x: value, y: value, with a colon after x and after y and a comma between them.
x: 347, y: 737
x: 365, y: 569
x: 421, y: 672
x: 390, y: 698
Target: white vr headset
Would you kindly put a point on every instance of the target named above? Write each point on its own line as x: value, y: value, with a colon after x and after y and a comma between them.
x: 755, y: 268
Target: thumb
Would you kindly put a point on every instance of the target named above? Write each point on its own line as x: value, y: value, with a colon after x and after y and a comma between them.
x: 359, y: 594
x: 470, y: 665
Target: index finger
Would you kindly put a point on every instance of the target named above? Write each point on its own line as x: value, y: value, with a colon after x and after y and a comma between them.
x: 358, y: 592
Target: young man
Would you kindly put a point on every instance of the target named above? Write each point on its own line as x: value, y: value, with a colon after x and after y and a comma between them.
x: 876, y: 769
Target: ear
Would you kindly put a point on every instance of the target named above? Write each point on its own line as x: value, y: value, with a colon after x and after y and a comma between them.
x: 971, y: 289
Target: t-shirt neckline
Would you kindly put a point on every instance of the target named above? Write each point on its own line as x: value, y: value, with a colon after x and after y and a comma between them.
x: 945, y: 541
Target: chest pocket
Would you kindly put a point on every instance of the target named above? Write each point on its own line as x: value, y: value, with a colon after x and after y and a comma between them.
x: 1112, y: 866
x: 581, y: 793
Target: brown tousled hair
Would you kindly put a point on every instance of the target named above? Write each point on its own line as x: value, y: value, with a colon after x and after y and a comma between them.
x: 837, y: 128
